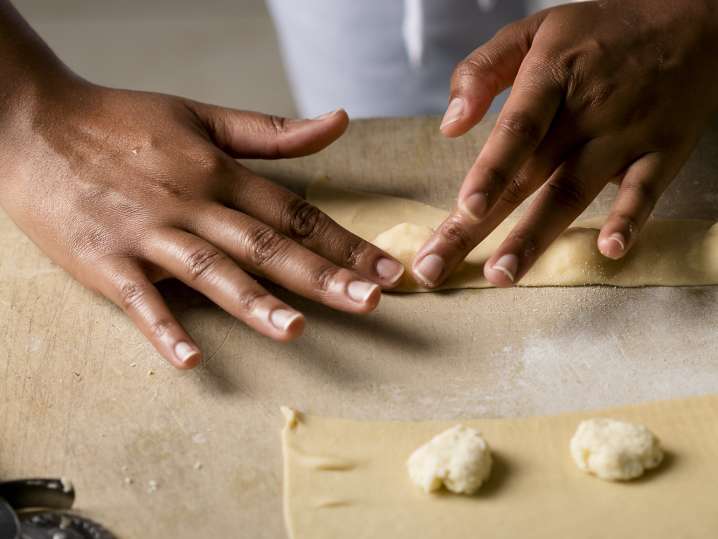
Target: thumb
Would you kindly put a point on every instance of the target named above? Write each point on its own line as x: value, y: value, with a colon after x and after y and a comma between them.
x: 485, y: 73
x: 263, y: 136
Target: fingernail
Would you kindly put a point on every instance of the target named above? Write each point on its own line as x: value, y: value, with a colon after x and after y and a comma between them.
x: 283, y: 318
x: 325, y: 115
x: 360, y: 291
x: 453, y: 112
x: 475, y: 205
x: 608, y: 245
x: 619, y: 239
x: 389, y: 270
x: 507, y: 264
x: 185, y: 351
x: 430, y: 268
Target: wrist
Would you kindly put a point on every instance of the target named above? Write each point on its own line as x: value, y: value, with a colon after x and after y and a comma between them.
x: 23, y: 98
x: 29, y: 71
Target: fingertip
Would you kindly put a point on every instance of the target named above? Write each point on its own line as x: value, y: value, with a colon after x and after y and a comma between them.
x: 454, y: 113
x: 455, y: 130
x: 351, y: 293
x: 429, y: 270
x: 502, y: 272
x: 475, y: 206
x: 371, y: 300
x: 337, y: 116
x: 462, y: 113
x: 342, y: 121
x: 186, y: 355
x: 296, y: 328
x: 293, y: 330
x: 389, y: 271
x: 285, y: 323
x: 342, y: 115
x: 612, y: 245
x: 308, y: 136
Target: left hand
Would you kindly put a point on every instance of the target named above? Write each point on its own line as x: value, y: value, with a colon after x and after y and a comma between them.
x: 611, y: 90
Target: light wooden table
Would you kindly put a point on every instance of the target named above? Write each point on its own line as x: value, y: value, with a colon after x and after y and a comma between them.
x: 77, y: 398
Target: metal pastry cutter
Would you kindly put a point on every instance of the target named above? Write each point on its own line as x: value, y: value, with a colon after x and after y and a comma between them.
x: 37, y: 509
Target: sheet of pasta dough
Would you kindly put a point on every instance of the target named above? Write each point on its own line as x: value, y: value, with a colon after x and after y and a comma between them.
x: 668, y: 253
x: 347, y: 480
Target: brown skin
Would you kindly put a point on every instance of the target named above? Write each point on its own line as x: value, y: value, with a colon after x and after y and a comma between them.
x: 613, y: 90
x: 123, y: 189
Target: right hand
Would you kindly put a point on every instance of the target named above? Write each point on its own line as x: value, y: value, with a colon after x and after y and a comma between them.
x: 616, y: 90
x: 124, y: 188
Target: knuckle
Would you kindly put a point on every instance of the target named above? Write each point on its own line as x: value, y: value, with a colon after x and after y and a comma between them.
x: 353, y: 250
x: 475, y: 65
x: 160, y: 327
x: 515, y: 192
x: 456, y: 235
x: 171, y: 188
x: 304, y: 220
x: 598, y: 95
x: 202, y: 261
x: 569, y: 192
x: 248, y: 299
x: 479, y: 66
x: 559, y: 70
x: 323, y: 276
x: 266, y: 245
x: 278, y: 124
x: 522, y: 126
x: 507, y: 31
x: 211, y: 162
x: 132, y: 295
x: 273, y: 128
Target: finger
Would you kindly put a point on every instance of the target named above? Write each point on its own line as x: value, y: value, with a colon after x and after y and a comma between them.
x: 205, y: 268
x: 262, y: 250
x: 454, y: 239
x: 568, y: 192
x: 125, y: 284
x: 294, y: 217
x: 642, y: 185
x: 483, y: 74
x: 519, y: 130
x: 255, y: 135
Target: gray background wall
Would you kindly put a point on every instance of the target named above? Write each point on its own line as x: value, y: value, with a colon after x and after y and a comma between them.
x: 220, y: 51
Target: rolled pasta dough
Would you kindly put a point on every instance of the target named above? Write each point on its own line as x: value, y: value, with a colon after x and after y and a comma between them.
x: 668, y: 252
x: 347, y: 479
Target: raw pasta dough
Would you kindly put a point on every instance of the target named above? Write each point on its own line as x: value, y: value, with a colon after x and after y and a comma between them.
x: 668, y: 253
x: 347, y: 480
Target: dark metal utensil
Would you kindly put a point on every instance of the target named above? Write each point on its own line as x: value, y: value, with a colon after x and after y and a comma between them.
x: 35, y: 509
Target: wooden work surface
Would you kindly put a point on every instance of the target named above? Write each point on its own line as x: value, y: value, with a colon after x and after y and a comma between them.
x: 77, y: 398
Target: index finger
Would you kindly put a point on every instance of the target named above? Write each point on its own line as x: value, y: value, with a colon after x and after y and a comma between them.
x: 519, y: 130
x: 296, y: 218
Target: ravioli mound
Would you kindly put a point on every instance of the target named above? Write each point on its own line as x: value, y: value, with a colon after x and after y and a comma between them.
x: 615, y: 450
x: 458, y: 459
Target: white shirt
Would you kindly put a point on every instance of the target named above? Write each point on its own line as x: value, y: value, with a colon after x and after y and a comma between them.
x: 381, y: 57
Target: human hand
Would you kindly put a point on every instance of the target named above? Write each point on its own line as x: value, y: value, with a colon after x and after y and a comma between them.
x: 123, y: 189
x: 612, y: 90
